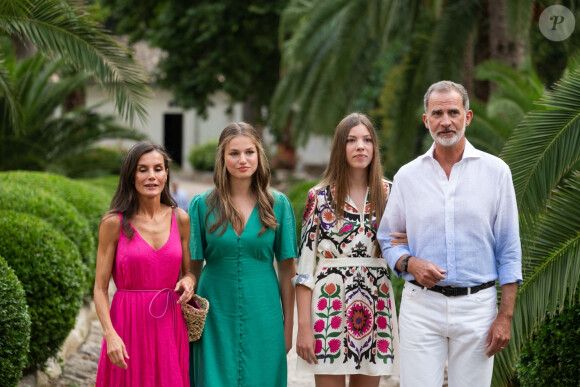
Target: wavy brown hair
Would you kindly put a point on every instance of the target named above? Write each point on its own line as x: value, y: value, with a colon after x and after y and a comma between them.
x: 125, y: 198
x: 335, y: 172
x: 219, y: 200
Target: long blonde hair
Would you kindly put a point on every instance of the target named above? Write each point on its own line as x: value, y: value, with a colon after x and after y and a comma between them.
x: 337, y: 165
x: 219, y: 200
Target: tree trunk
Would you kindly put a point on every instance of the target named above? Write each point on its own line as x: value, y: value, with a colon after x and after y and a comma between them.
x: 503, y: 47
x: 468, y: 66
x: 252, y: 115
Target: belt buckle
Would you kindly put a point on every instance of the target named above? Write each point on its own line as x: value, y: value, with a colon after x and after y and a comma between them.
x: 449, y: 291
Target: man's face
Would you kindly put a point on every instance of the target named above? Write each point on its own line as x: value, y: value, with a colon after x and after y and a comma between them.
x: 446, y: 118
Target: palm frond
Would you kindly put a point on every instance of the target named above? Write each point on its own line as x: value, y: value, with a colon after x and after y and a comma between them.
x: 328, y: 54
x: 551, y: 272
x: 61, y: 31
x: 8, y: 104
x: 544, y: 148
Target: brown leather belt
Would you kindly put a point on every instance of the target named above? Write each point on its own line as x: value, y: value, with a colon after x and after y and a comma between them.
x: 453, y: 291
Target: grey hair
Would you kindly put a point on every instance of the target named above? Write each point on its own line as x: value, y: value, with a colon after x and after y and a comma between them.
x: 447, y: 86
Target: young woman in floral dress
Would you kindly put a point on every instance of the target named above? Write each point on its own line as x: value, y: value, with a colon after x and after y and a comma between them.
x: 347, y: 323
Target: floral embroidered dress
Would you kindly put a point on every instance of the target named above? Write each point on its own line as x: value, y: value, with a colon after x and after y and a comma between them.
x: 353, y: 309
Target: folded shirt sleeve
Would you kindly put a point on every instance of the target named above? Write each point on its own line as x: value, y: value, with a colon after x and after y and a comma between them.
x: 307, y: 260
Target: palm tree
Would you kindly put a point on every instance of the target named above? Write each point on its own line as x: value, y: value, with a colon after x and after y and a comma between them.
x: 59, y: 29
x: 543, y: 154
x: 329, y: 48
x: 49, y: 137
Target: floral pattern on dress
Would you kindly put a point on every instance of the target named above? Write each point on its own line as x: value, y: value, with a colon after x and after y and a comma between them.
x: 353, y: 318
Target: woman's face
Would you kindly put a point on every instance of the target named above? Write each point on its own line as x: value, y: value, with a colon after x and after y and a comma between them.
x: 241, y: 157
x: 151, y: 175
x: 359, y: 147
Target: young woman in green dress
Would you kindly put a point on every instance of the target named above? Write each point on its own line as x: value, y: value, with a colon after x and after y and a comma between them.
x: 237, y: 229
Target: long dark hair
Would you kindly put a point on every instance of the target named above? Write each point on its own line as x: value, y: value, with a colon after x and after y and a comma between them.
x: 219, y: 200
x: 335, y: 171
x: 125, y: 198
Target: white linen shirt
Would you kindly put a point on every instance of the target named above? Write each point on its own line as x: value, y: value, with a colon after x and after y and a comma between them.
x: 467, y: 224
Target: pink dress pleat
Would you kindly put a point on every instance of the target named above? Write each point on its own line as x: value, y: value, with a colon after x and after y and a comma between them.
x: 145, y: 313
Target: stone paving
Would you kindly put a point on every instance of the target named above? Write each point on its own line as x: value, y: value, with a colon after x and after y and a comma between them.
x: 80, y: 369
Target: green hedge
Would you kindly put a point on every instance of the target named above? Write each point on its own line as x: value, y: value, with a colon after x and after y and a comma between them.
x: 202, y: 157
x: 106, y: 184
x: 51, y: 272
x: 14, y: 326
x: 552, y: 357
x: 60, y: 214
x: 90, y: 201
x: 297, y: 194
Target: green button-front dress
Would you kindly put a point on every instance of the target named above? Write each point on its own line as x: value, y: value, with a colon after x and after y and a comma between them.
x: 243, y: 339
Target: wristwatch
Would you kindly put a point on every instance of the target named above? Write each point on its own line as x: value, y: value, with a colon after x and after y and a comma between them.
x: 405, y: 263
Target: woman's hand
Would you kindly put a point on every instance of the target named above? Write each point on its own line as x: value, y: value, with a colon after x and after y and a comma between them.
x: 185, y: 286
x: 116, y: 350
x: 305, y: 344
x: 399, y: 238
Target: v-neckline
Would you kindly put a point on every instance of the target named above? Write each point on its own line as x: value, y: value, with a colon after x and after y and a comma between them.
x: 149, y: 244
x: 245, y: 225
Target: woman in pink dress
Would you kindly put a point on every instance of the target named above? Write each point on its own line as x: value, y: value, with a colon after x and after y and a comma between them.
x: 144, y: 245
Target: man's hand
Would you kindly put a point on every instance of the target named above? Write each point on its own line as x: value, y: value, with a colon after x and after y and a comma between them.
x: 425, y: 272
x: 498, y: 336
x: 499, y: 333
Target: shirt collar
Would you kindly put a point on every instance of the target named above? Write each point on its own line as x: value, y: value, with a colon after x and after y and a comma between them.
x: 468, y: 153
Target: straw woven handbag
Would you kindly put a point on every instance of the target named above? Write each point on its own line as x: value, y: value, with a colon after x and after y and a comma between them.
x: 194, y: 313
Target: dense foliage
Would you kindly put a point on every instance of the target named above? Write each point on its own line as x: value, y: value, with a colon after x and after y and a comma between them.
x: 551, y: 358
x: 231, y: 46
x: 14, y: 326
x: 61, y: 29
x: 53, y: 137
x: 51, y: 272
x: 60, y: 214
x: 90, y: 203
x: 202, y: 157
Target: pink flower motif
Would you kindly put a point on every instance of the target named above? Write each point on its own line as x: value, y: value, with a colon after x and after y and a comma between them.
x: 390, y: 304
x: 346, y: 228
x: 319, y: 326
x: 321, y: 304
x: 381, y: 304
x: 335, y: 322
x: 334, y: 345
x: 381, y: 322
x: 383, y: 346
x: 318, y: 346
x: 336, y: 304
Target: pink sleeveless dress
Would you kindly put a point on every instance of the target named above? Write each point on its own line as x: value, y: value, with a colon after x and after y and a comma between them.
x: 145, y: 313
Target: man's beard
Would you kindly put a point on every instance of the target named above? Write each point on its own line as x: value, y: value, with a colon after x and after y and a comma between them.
x: 448, y: 141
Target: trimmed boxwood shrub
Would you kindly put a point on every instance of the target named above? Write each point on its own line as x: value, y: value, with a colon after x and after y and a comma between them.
x: 61, y: 215
x: 106, y: 184
x: 14, y: 326
x: 49, y: 267
x: 91, y: 203
x: 202, y: 157
x: 551, y: 357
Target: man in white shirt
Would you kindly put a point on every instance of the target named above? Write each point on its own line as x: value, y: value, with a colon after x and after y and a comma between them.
x: 457, y: 205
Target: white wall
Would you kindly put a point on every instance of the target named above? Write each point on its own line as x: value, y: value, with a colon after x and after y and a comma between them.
x: 196, y: 130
